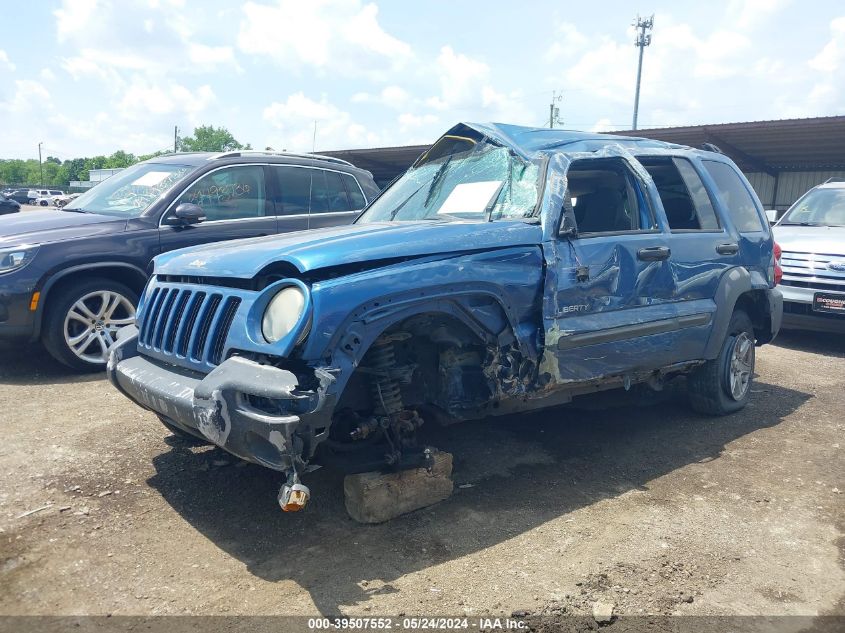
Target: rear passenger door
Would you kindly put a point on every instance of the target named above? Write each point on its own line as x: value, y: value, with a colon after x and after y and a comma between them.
x: 702, y: 249
x: 740, y: 207
x: 312, y: 197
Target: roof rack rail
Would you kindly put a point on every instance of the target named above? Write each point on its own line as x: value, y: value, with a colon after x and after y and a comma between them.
x: 834, y: 179
x: 710, y: 147
x: 261, y: 152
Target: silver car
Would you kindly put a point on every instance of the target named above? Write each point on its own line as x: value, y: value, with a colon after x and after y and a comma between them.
x: 811, y: 236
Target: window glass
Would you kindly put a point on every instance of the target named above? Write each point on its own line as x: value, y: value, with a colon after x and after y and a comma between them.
x: 130, y: 192
x: 229, y: 194
x: 319, y: 192
x: 606, y: 198
x: 336, y: 192
x: 464, y: 178
x: 682, y: 193
x: 734, y: 196
x: 295, y: 190
x: 354, y: 191
x: 820, y: 207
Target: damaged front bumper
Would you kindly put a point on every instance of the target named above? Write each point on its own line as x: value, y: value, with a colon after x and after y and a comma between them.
x: 221, y: 405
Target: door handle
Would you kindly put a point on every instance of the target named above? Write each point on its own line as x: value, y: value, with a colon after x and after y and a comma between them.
x: 654, y: 253
x: 731, y: 248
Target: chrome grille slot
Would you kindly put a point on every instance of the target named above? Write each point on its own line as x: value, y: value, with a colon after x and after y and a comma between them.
x: 219, y: 338
x: 163, y: 317
x: 810, y: 270
x: 185, y: 334
x: 175, y: 322
x: 188, y: 324
x: 207, y: 314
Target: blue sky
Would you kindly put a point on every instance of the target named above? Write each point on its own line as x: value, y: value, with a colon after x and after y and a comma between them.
x: 94, y: 76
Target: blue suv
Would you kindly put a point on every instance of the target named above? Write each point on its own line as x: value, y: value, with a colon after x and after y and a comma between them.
x: 508, y: 269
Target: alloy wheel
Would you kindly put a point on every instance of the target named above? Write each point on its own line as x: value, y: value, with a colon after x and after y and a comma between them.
x: 92, y: 323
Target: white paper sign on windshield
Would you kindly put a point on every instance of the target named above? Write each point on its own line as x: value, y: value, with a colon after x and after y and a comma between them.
x: 151, y: 178
x: 470, y: 197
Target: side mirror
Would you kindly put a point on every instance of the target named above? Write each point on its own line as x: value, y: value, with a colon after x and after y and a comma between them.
x: 771, y: 216
x: 187, y: 213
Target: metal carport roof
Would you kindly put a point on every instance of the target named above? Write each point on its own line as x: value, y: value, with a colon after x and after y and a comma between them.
x: 757, y: 146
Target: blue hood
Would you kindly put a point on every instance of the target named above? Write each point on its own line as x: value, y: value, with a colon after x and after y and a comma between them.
x: 321, y: 248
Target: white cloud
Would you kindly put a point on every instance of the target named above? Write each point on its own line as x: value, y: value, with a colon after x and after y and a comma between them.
x: 750, y: 15
x: 29, y: 97
x: 568, y: 40
x: 341, y: 36
x: 5, y: 61
x: 408, y: 120
x: 830, y: 58
x: 390, y: 96
x: 143, y: 99
x: 295, y: 117
x: 466, y: 90
x: 47, y: 75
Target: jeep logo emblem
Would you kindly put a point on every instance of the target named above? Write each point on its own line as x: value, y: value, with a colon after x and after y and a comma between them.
x: 837, y: 266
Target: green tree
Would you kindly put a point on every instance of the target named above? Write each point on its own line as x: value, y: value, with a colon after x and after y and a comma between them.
x: 120, y: 159
x: 208, y: 138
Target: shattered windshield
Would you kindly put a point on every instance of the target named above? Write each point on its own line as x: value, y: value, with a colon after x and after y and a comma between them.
x: 820, y: 207
x: 130, y: 192
x: 461, y: 178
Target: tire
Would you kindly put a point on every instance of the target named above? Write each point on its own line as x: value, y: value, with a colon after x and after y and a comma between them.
x: 82, y: 320
x: 44, y: 203
x: 723, y: 385
x: 184, y: 436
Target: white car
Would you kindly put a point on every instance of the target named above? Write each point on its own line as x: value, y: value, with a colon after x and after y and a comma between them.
x: 47, y: 197
x: 811, y: 236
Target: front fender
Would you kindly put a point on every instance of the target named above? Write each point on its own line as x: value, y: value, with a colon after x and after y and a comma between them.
x: 495, y: 294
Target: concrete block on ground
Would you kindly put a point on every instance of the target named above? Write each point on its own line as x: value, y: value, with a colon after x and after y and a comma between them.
x: 376, y: 497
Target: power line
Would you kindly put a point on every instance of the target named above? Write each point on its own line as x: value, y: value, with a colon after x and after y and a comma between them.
x: 643, y: 40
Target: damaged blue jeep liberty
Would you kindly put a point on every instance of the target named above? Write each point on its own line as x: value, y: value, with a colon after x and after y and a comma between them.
x: 508, y: 269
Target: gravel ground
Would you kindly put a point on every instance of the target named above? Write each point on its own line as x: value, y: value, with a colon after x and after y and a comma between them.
x: 650, y: 508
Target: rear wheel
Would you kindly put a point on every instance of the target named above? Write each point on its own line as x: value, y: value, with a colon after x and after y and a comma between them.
x: 723, y: 385
x: 83, y: 319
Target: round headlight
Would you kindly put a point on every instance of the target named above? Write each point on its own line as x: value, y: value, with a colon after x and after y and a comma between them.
x: 282, y: 313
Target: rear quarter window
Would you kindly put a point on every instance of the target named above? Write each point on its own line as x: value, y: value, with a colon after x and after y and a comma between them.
x: 734, y: 196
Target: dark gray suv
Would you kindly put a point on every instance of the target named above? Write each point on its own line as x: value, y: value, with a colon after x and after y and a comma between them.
x: 72, y: 278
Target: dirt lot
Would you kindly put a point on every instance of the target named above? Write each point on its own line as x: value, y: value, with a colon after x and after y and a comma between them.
x: 651, y: 508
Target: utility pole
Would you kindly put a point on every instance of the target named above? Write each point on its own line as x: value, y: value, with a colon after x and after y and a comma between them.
x: 554, y: 111
x: 643, y: 40
x: 175, y: 138
x: 40, y: 164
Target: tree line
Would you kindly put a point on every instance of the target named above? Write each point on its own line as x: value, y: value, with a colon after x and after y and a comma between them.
x: 58, y: 173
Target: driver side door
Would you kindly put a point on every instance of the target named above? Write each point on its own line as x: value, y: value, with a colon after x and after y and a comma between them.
x: 236, y: 205
x: 611, y: 309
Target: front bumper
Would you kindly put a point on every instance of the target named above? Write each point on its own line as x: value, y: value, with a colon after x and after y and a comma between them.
x: 798, y: 313
x: 218, y: 405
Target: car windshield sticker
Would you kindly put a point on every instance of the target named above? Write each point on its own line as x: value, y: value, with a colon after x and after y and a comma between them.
x: 151, y: 178
x: 470, y: 197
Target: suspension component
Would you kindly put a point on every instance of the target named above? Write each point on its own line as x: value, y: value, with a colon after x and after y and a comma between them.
x: 387, y: 395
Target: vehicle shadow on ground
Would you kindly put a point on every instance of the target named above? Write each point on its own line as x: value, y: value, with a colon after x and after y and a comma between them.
x: 524, y: 471
x: 823, y: 343
x: 32, y: 365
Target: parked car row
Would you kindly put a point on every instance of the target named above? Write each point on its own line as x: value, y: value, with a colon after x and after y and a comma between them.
x: 40, y: 197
